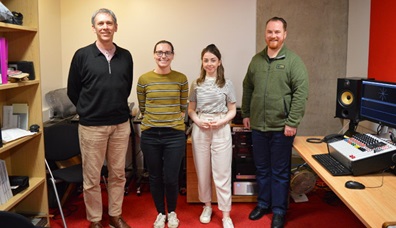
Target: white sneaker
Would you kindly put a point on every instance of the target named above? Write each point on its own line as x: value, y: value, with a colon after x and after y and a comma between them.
x: 173, y: 222
x: 160, y: 221
x: 227, y: 223
x: 206, y: 214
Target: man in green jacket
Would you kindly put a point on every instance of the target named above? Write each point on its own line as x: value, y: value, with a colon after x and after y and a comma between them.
x: 275, y: 91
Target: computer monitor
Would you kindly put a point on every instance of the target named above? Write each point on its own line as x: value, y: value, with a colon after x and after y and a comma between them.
x: 378, y: 102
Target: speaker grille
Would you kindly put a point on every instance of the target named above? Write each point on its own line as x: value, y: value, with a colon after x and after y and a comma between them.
x: 348, y: 98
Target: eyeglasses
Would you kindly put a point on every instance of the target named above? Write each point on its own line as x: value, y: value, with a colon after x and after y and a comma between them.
x: 160, y: 53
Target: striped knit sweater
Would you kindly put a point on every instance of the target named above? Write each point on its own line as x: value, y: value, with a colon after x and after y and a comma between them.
x: 162, y: 99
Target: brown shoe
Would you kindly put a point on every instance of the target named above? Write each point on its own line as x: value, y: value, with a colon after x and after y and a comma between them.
x: 96, y: 225
x: 118, y: 222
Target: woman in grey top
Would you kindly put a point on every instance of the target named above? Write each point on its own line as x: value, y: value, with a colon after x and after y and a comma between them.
x: 212, y: 105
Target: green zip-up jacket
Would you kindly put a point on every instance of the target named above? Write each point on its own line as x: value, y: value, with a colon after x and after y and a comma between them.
x: 275, y: 91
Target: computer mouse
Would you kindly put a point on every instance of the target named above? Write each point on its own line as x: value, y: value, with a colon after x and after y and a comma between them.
x: 34, y: 128
x: 354, y: 185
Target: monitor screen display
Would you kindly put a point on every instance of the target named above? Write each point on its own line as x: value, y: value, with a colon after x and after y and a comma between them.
x: 378, y: 102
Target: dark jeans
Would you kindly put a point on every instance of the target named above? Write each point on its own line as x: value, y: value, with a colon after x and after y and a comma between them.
x: 272, y: 157
x: 163, y: 150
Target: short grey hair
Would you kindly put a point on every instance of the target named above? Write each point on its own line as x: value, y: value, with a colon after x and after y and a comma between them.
x: 105, y: 11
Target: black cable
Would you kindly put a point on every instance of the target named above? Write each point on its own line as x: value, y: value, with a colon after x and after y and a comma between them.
x: 318, y: 140
x: 382, y: 181
x: 392, y: 137
x: 379, y: 128
x: 314, y: 140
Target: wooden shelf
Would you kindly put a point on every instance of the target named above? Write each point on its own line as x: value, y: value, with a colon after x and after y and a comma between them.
x: 34, y: 182
x: 7, y: 27
x: 9, y: 145
x: 13, y: 85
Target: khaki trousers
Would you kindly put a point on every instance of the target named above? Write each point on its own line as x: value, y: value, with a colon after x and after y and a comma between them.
x: 98, y: 143
x: 212, y: 151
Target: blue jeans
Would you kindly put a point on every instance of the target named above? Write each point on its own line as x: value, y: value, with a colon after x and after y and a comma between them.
x: 163, y: 150
x: 272, y: 157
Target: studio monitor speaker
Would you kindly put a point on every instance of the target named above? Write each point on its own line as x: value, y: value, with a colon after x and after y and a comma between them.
x: 348, y: 98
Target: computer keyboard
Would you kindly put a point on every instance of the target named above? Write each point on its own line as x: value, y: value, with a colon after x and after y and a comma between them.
x: 332, y: 165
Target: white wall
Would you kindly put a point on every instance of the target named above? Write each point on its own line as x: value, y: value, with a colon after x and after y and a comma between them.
x: 189, y: 25
x: 50, y: 49
x: 358, y: 38
x: 358, y: 46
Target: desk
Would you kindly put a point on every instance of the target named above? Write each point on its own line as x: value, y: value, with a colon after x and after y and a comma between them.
x: 373, y: 206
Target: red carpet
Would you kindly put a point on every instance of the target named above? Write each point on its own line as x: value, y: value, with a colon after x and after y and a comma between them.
x: 323, y: 210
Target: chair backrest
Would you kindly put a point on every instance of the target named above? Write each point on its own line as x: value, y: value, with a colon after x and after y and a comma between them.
x: 61, y: 141
x: 60, y: 103
x: 14, y: 220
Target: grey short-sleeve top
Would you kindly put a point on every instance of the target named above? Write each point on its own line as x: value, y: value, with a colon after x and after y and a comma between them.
x: 210, y: 98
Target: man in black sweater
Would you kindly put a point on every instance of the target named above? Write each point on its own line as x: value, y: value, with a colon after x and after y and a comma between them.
x: 99, y: 84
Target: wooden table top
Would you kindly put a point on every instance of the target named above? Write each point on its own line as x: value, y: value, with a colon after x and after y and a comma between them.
x: 374, y: 205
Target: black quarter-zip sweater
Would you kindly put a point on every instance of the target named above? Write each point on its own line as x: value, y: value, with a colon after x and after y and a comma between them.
x: 100, y: 89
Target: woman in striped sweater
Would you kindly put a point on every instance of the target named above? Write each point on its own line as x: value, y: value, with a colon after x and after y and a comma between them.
x: 162, y: 97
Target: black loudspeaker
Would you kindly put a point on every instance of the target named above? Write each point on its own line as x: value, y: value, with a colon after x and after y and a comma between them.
x: 24, y: 66
x: 348, y: 98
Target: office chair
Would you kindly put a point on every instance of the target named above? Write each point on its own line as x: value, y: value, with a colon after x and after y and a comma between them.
x: 61, y: 143
x: 14, y: 220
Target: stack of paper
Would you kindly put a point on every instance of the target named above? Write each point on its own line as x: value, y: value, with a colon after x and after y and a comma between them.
x: 5, y: 187
x: 12, y: 134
